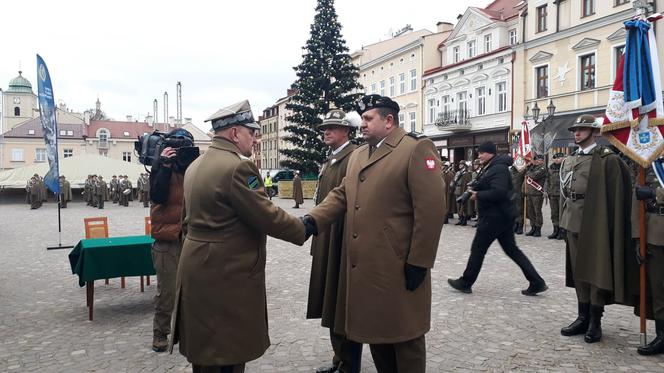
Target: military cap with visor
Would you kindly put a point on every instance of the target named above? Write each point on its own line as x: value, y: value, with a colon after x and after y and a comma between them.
x: 236, y: 114
x: 374, y: 101
x: 339, y: 118
x: 585, y: 121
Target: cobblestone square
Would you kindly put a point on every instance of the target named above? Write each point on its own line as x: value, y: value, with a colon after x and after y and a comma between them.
x: 44, y: 325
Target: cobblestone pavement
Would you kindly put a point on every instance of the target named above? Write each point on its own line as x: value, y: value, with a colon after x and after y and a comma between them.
x: 44, y: 326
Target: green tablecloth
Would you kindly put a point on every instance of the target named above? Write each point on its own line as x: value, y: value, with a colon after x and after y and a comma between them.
x: 100, y: 258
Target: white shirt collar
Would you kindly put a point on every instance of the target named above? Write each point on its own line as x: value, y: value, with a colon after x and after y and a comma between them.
x: 339, y: 149
x: 380, y: 142
x: 588, y: 150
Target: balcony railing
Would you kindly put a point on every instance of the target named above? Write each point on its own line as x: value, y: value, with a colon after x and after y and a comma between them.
x: 454, y: 120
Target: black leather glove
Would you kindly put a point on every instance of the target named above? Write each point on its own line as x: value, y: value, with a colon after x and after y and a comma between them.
x: 414, y: 276
x: 310, y: 227
x: 645, y: 193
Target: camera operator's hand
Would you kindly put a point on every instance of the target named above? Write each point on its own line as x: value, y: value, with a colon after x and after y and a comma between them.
x: 167, y: 155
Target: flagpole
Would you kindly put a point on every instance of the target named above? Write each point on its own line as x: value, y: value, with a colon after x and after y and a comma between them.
x: 642, y: 265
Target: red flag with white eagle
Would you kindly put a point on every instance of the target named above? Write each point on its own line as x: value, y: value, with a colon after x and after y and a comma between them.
x: 634, y: 118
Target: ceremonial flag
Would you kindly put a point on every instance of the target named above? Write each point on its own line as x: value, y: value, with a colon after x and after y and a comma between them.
x: 634, y: 119
x: 524, y: 151
x: 49, y: 125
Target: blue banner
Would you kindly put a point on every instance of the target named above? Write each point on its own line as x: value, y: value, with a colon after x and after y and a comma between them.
x: 49, y: 125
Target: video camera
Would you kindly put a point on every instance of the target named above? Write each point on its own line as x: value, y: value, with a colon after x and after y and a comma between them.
x: 149, y: 147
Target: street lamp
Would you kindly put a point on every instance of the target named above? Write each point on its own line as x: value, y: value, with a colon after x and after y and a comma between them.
x: 551, y: 111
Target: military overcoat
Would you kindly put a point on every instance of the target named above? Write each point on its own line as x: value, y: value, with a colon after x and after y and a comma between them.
x: 394, y: 209
x: 327, y: 282
x: 220, y: 313
x: 298, y: 196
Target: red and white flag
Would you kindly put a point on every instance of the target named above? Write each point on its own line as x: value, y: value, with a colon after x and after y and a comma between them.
x: 525, y: 150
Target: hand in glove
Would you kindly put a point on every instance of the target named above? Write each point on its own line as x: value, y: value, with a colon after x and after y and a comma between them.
x: 414, y: 276
x: 645, y: 193
x: 309, y: 226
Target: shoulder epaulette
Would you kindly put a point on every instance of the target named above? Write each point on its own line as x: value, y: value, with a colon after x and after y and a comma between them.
x: 417, y: 135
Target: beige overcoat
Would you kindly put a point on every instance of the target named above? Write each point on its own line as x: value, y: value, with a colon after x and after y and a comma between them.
x: 394, y: 208
x: 220, y: 314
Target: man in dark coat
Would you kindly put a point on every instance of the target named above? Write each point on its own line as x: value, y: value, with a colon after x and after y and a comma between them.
x: 298, y: 196
x: 595, y: 212
x: 497, y: 213
x: 328, y: 272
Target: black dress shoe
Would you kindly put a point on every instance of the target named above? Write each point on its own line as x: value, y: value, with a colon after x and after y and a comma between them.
x: 657, y: 345
x: 459, y: 285
x: 534, y: 289
x: 331, y: 369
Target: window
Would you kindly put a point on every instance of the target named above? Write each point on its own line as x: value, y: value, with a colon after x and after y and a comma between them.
x: 373, y: 88
x: 70, y: 133
x: 402, y: 83
x: 588, y: 8
x: 17, y: 155
x: 481, y: 100
x: 617, y: 55
x: 542, y: 79
x: 621, y: 2
x: 63, y: 133
x: 17, y: 111
x: 462, y: 105
x: 431, y: 104
x: 513, y: 38
x: 401, y: 119
x: 455, y: 53
x: 103, y: 152
x: 392, y: 87
x: 501, y: 91
x: 470, y: 46
x: 40, y: 155
x: 126, y: 156
x: 588, y: 71
x: 103, y: 136
x: 68, y: 153
x: 382, y: 88
x: 446, y: 104
x: 125, y: 133
x: 487, y: 43
x: 413, y: 80
x: 541, y: 18
x: 31, y: 132
x: 413, y: 116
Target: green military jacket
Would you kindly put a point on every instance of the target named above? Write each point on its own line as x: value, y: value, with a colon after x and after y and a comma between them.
x: 654, y: 220
x: 517, y: 180
x: 538, y: 175
x: 553, y: 180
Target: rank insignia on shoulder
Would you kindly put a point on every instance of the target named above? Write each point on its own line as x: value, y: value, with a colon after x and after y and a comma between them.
x: 252, y: 181
x: 417, y: 135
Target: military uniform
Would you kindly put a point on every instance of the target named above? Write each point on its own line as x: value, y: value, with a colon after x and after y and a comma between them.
x: 389, y: 241
x: 139, y: 188
x: 35, y: 195
x: 517, y: 189
x: 298, y: 196
x: 123, y: 185
x: 220, y: 314
x: 536, y: 173
x: 655, y: 256
x: 101, y: 191
x: 596, y: 181
x: 450, y: 199
x: 65, y: 192
x: 113, y: 186
x: 461, y: 180
x: 145, y: 190
x: 553, y: 191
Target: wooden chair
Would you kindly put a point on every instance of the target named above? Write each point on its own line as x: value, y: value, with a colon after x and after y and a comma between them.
x: 98, y: 228
x: 148, y: 231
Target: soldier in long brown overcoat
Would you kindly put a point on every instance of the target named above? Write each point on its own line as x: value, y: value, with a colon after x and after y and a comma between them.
x: 298, y: 196
x: 220, y: 313
x: 392, y: 198
x: 327, y: 284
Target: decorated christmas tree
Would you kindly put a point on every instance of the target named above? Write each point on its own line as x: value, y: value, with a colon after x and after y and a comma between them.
x: 326, y: 79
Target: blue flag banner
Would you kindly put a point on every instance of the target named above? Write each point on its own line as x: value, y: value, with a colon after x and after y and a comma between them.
x: 49, y: 124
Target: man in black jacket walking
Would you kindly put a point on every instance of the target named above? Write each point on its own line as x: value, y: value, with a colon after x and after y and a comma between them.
x: 493, y: 193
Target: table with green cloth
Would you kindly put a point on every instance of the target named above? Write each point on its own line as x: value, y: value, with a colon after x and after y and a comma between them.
x: 103, y: 258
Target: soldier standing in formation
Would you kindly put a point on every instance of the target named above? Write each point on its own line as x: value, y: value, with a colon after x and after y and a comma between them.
x: 553, y: 192
x: 220, y: 314
x: 461, y: 180
x: 390, y: 245
x: 450, y: 199
x: 145, y: 189
x: 518, y: 178
x: 113, y: 186
x: 595, y: 185
x: 101, y: 191
x: 87, y: 191
x: 653, y: 194
x: 477, y: 166
x: 327, y: 286
x: 123, y: 186
x: 139, y: 187
x: 65, y: 191
x: 33, y: 188
x: 131, y: 188
x: 535, y: 179
x: 42, y: 189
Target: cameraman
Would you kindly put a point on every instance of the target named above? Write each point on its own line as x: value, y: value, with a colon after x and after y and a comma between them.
x: 493, y: 192
x: 166, y: 193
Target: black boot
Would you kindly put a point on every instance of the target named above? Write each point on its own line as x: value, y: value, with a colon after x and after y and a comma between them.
x: 580, y: 325
x: 594, y: 333
x: 562, y: 232
x: 656, y: 346
x: 532, y: 231
x: 464, y: 221
x: 554, y: 234
x: 519, y: 229
x: 537, y: 232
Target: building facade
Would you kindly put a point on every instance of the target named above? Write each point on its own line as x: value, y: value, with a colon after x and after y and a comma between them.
x: 19, y: 103
x: 272, y: 122
x: 468, y: 97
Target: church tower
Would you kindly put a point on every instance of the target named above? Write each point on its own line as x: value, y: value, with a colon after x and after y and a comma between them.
x: 19, y: 103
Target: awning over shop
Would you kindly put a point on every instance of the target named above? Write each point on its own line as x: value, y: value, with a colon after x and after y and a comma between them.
x: 557, y: 133
x: 75, y: 169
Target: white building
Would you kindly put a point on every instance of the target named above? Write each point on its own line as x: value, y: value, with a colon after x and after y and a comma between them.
x: 468, y: 97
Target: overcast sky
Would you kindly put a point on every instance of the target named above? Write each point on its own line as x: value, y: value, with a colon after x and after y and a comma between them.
x: 129, y: 52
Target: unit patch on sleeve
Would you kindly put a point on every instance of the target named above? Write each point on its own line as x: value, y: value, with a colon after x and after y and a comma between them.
x: 252, y: 181
x: 430, y: 163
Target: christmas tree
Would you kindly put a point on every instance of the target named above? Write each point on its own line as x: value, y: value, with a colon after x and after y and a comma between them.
x: 326, y: 79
